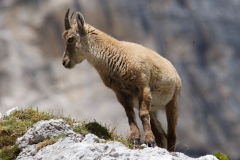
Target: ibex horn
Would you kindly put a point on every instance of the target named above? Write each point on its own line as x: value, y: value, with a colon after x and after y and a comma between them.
x: 71, y: 15
x: 66, y: 21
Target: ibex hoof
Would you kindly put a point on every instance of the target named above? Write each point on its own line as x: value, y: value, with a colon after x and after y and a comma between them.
x: 136, y: 141
x: 151, y: 144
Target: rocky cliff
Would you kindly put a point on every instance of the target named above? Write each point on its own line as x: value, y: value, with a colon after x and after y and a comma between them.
x: 201, y: 39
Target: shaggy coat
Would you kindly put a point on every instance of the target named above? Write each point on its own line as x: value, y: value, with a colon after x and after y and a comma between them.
x: 140, y: 78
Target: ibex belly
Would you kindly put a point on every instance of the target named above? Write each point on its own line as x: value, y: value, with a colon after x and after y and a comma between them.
x: 159, y: 100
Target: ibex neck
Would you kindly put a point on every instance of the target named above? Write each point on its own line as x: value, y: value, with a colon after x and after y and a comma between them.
x: 102, y: 48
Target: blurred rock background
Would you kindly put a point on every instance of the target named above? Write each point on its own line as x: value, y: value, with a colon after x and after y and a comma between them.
x: 201, y: 39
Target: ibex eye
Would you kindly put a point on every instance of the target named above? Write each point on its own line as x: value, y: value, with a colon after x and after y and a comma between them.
x: 70, y: 40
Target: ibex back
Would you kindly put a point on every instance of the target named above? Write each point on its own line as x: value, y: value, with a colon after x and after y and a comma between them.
x: 140, y: 78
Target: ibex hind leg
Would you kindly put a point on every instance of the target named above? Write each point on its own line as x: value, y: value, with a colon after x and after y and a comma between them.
x: 172, y: 117
x: 160, y: 135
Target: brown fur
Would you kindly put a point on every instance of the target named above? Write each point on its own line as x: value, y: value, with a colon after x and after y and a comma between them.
x: 140, y: 78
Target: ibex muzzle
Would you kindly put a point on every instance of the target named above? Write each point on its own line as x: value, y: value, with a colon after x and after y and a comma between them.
x: 73, y: 53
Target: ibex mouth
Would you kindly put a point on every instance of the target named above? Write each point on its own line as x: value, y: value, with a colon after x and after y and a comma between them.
x: 68, y: 64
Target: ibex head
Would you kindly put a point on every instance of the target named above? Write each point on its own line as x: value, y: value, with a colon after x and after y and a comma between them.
x: 73, y: 36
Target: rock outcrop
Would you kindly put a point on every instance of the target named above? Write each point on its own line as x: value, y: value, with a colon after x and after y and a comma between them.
x: 75, y: 146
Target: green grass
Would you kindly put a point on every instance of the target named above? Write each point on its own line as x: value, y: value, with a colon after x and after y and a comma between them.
x: 9, y: 152
x: 221, y: 156
x: 19, y: 122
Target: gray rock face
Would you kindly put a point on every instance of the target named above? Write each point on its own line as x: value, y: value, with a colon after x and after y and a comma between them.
x: 73, y: 146
x: 41, y: 131
x: 67, y: 149
x: 44, y: 130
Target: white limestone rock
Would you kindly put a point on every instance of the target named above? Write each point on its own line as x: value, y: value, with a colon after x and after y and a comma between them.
x: 41, y: 131
x: 91, y: 147
x: 9, y: 112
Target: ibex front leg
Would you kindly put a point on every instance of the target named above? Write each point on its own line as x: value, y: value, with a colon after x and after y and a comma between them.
x: 127, y: 103
x: 144, y: 107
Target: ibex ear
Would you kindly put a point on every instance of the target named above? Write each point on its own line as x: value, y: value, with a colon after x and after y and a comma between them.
x: 80, y: 23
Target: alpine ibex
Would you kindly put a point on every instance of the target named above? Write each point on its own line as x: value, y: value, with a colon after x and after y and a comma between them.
x: 140, y: 78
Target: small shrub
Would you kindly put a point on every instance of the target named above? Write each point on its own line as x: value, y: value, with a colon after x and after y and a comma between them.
x: 98, y: 130
x: 221, y: 156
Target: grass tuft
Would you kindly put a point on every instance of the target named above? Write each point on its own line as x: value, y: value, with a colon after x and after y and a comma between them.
x: 49, y: 141
x: 9, y: 152
x: 45, y: 143
x: 221, y: 156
